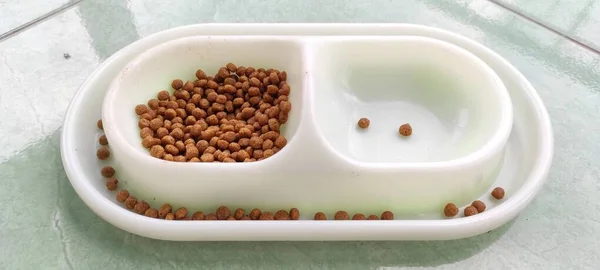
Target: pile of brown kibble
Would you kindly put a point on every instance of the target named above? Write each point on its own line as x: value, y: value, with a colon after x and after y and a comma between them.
x: 234, y: 116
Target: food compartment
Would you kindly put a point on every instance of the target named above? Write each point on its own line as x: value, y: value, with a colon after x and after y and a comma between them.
x: 454, y: 104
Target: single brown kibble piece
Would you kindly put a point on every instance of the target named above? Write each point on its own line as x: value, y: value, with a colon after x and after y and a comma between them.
x: 103, y: 153
x: 122, y: 195
x: 405, y: 130
x: 294, y: 214
x: 450, y: 210
x: 498, y: 193
x: 364, y: 123
x: 387, y: 215
x: 239, y: 213
x: 266, y: 216
x: 181, y: 213
x: 470, y: 210
x: 210, y: 216
x: 255, y: 214
x: 281, y: 215
x: 372, y: 217
x: 112, y: 184
x: 198, y: 215
x: 320, y: 216
x: 223, y: 212
x: 479, y: 205
x: 231, y: 218
x: 130, y: 202
x: 141, y: 109
x: 164, y: 210
x: 108, y: 171
x: 359, y: 217
x: 177, y: 84
x: 170, y: 216
x: 141, y: 207
x: 103, y: 140
x: 151, y: 212
x: 341, y: 215
x: 99, y: 124
x: 157, y: 151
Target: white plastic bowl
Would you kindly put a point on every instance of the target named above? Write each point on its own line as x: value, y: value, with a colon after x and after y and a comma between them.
x: 528, y: 154
x: 459, y: 108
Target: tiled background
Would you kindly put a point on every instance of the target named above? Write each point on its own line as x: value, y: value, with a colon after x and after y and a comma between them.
x: 44, y: 225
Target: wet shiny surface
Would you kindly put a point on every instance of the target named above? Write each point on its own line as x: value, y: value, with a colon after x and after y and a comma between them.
x: 45, y: 225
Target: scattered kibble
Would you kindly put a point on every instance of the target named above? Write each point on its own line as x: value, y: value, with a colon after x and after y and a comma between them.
x: 255, y: 214
x: 198, y: 215
x: 450, y: 210
x: 239, y: 213
x: 103, y: 140
x: 211, y: 216
x: 281, y: 215
x: 387, y: 215
x: 470, y: 210
x: 320, y: 216
x: 122, y: 195
x: 170, y: 216
x: 181, y: 213
x: 112, y: 184
x: 359, y: 217
x: 151, y: 212
x: 341, y: 215
x: 498, y: 193
x: 231, y: 218
x: 479, y: 205
x: 130, y: 202
x: 235, y: 116
x: 141, y: 207
x: 294, y: 214
x: 405, y: 130
x: 99, y: 124
x: 364, y: 123
x: 103, y: 153
x: 266, y: 216
x: 372, y: 217
x: 107, y: 171
x: 164, y: 210
x: 223, y: 213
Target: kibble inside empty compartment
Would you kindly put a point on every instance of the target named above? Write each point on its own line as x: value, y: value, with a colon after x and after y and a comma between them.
x: 454, y: 103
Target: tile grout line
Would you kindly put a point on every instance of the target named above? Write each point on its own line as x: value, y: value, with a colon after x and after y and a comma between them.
x: 548, y: 27
x: 38, y: 20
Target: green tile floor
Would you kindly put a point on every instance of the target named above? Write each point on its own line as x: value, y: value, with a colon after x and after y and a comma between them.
x: 44, y: 225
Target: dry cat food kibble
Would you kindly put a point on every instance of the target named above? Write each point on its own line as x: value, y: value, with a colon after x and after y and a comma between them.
x: 450, y: 210
x: 235, y: 116
x: 372, y: 217
x: 281, y: 215
x: 498, y: 193
x: 470, y: 210
x: 320, y: 216
x: 479, y: 205
x: 103, y: 153
x: 294, y: 214
x: 359, y: 217
x: 387, y: 215
x: 108, y: 171
x: 364, y: 123
x: 341, y: 215
x: 102, y: 140
x: 405, y: 130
